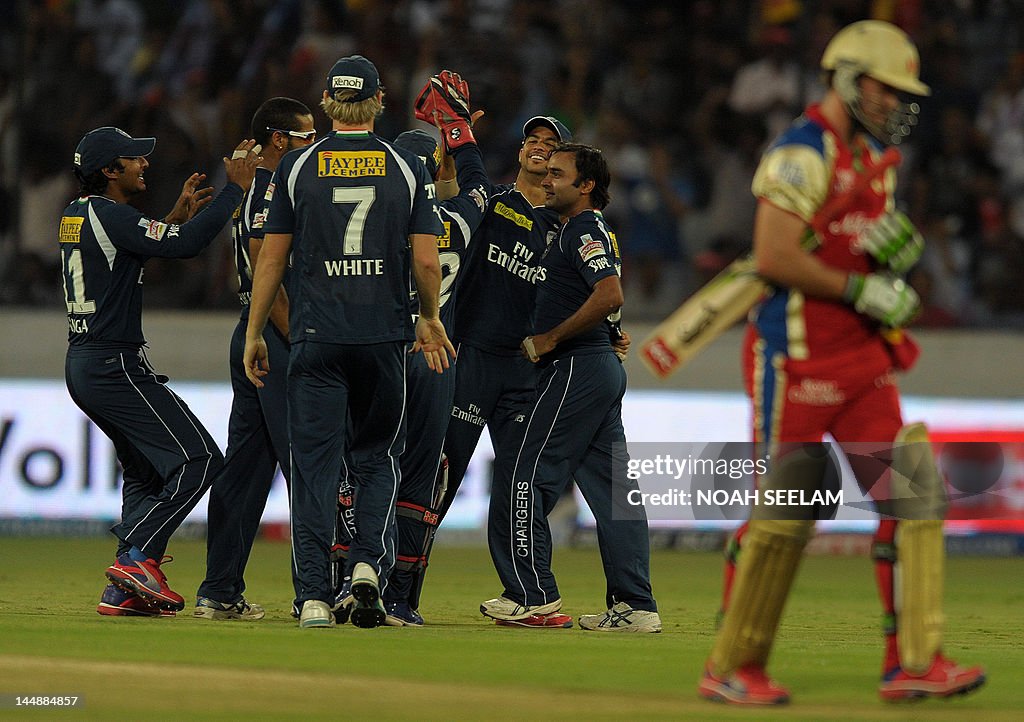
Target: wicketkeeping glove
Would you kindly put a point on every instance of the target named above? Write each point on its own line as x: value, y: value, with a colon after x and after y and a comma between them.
x: 444, y: 101
x: 894, y: 242
x: 883, y: 297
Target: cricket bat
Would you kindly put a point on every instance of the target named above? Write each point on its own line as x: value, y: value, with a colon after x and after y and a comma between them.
x: 730, y: 295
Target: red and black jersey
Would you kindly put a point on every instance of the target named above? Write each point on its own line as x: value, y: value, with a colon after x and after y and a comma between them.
x: 800, y: 172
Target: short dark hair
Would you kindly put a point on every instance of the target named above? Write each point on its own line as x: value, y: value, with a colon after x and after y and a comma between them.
x: 95, y: 183
x: 280, y: 113
x: 590, y: 165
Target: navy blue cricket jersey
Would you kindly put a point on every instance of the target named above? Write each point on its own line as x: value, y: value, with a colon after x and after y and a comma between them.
x: 350, y: 201
x: 247, y: 223
x: 501, y: 272
x: 103, y: 246
x: 586, y: 252
x: 461, y: 216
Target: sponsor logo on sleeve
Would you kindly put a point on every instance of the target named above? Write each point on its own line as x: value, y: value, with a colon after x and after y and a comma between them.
x: 269, y: 195
x: 445, y: 239
x: 477, y: 194
x: 791, y: 173
x: 350, y: 164
x: 154, y: 229
x: 589, y: 247
x: 71, y: 229
x: 259, y: 219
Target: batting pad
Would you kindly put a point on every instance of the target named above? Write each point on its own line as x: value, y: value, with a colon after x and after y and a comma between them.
x: 917, y: 500
x: 916, y: 489
x: 795, y: 467
x: 767, y: 566
x: 918, y: 577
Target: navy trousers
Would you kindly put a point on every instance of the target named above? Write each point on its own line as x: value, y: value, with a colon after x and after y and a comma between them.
x: 169, y: 459
x: 332, y: 386
x: 257, y: 446
x: 573, y: 432
x: 429, y: 405
x: 492, y: 390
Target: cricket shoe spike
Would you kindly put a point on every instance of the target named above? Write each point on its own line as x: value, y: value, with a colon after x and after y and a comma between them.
x: 945, y: 678
x: 116, y: 602
x: 748, y: 685
x: 146, y: 580
x: 367, y: 611
x: 555, y: 620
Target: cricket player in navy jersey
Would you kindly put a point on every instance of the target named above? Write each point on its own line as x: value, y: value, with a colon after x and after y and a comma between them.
x: 495, y: 384
x: 169, y: 459
x: 347, y: 209
x: 429, y: 395
x: 258, y: 424
x: 574, y: 430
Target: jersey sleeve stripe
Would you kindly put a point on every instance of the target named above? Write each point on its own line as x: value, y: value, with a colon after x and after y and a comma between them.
x: 410, y: 178
x: 102, y: 239
x: 464, y: 228
x: 247, y: 209
x: 296, y: 167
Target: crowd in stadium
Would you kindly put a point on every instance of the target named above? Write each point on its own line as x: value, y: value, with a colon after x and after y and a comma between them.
x: 681, y: 96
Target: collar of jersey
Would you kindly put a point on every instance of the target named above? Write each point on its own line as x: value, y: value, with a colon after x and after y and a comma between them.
x: 351, y: 133
x: 813, y: 112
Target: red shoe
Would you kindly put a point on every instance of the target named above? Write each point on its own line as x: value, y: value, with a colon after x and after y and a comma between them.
x: 116, y: 602
x: 540, y: 621
x: 944, y: 679
x: 146, y: 580
x: 748, y: 685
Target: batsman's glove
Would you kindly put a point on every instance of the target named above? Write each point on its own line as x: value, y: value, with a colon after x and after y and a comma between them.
x: 882, y: 296
x: 893, y: 241
x: 444, y: 101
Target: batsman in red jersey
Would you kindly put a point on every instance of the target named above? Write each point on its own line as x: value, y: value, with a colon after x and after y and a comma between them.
x: 819, y: 357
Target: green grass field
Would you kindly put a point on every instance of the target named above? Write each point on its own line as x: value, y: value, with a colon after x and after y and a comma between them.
x: 462, y: 667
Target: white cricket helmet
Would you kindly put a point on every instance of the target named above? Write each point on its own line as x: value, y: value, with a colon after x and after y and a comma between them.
x: 884, y: 52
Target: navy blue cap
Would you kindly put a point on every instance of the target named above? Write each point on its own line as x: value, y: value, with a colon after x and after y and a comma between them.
x: 101, y: 147
x: 557, y: 126
x: 422, y: 144
x: 354, y: 73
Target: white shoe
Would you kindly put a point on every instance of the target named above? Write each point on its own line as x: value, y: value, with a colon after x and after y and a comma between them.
x: 315, y: 614
x: 505, y: 609
x: 207, y: 608
x: 367, y: 611
x: 622, y: 618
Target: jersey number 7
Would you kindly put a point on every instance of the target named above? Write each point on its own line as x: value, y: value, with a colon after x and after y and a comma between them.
x: 363, y: 197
